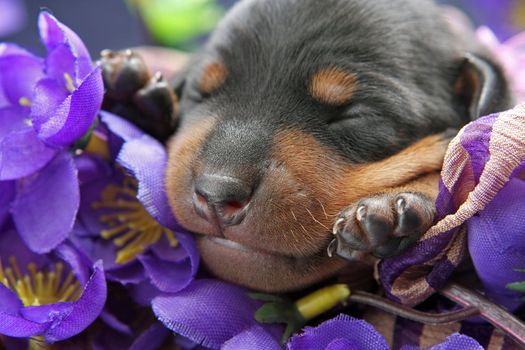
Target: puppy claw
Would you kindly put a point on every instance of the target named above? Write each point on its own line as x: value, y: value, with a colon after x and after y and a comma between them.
x: 361, y: 213
x: 331, y: 248
x: 338, y: 226
x: 383, y: 225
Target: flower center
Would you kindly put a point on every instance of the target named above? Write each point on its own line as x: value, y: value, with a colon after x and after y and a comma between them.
x: 40, y: 287
x: 131, y: 227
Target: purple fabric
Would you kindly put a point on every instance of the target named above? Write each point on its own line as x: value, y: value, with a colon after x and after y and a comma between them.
x: 497, y: 246
x: 254, y: 338
x: 168, y: 268
x: 59, y: 320
x: 470, y: 183
x: 209, y: 312
x: 340, y: 332
x: 453, y: 342
x: 46, y: 205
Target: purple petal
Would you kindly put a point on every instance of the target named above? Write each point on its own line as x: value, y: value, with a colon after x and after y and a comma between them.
x: 146, y: 159
x: 54, y: 33
x: 7, y: 49
x: 151, y: 338
x: 7, y: 194
x: 209, y: 312
x: 12, y: 119
x: 47, y: 313
x: 77, y: 261
x: 132, y: 273
x: 19, y: 75
x: 12, y: 244
x: 10, y: 304
x: 46, y: 205
x: 119, y: 131
x: 120, y: 126
x: 48, y: 96
x: 91, y: 168
x: 143, y: 293
x: 73, y: 117
x: 187, y: 241
x: 116, y: 324
x: 341, y: 344
x: 458, y: 341
x: 22, y: 154
x: 17, y: 326
x: 453, y: 342
x: 165, y: 252
x: 167, y: 276
x: 84, y: 311
x: 360, y: 334
x: 496, y: 243
x: 59, y: 62
x: 12, y: 16
x: 254, y: 338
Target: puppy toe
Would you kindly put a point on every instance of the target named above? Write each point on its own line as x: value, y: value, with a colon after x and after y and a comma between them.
x: 383, y: 225
x: 124, y: 73
x: 415, y: 213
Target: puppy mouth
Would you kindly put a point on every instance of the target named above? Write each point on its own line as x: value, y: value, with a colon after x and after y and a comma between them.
x: 236, y: 246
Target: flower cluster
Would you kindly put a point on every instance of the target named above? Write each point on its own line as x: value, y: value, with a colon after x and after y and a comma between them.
x: 89, y: 249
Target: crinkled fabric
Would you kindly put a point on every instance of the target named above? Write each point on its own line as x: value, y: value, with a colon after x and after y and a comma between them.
x: 485, y: 156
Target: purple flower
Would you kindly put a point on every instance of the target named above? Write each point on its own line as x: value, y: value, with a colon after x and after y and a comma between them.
x: 127, y: 325
x: 45, y: 106
x: 125, y: 219
x: 342, y: 332
x: 47, y: 298
x: 212, y: 313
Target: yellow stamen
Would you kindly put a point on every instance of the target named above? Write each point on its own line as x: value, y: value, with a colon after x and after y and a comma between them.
x: 36, y: 288
x: 24, y: 102
x: 69, y: 82
x: 98, y: 144
x: 131, y: 228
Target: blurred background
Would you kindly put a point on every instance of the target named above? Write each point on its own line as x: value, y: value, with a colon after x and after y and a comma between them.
x: 183, y: 24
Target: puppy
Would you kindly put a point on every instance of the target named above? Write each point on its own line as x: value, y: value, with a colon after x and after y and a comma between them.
x: 303, y: 117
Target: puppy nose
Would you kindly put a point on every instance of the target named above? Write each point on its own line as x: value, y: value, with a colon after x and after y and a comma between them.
x: 220, y: 197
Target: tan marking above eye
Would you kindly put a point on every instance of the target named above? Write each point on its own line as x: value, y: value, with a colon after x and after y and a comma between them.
x: 333, y: 86
x: 213, y: 76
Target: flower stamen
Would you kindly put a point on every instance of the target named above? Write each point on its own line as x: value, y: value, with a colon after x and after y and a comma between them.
x: 24, y: 102
x: 131, y: 228
x: 69, y: 82
x: 40, y: 287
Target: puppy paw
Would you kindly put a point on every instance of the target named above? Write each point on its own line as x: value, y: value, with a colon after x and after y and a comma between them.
x: 133, y: 93
x: 383, y: 225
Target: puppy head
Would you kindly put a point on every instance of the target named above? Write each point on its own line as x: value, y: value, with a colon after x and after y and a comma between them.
x: 288, y: 116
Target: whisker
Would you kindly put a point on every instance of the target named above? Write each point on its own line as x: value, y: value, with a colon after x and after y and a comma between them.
x: 309, y: 212
x: 293, y: 214
x: 322, y: 206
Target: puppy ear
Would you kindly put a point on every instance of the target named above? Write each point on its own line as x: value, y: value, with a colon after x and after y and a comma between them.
x: 481, y: 87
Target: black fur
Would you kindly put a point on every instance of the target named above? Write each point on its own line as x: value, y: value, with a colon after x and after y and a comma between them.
x: 405, y: 58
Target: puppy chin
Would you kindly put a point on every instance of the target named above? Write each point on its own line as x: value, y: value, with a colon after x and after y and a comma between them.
x: 264, y: 271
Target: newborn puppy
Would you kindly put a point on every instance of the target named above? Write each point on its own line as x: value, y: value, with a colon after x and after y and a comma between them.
x: 301, y: 114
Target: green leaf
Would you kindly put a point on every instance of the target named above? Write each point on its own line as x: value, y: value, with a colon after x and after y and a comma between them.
x: 279, y: 310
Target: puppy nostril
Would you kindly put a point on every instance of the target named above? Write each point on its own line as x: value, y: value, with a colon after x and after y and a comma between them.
x: 221, y: 197
x: 231, y: 208
x: 201, y: 199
